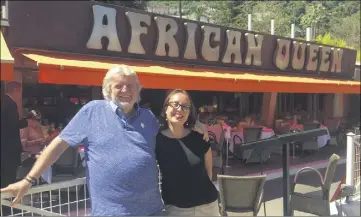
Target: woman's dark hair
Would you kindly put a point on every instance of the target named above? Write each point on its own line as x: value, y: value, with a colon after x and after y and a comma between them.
x: 192, y: 118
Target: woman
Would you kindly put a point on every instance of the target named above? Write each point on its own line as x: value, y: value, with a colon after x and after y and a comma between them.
x: 32, y: 137
x: 185, y: 161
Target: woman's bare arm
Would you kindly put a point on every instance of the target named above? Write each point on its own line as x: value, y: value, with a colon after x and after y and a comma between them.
x: 209, y: 163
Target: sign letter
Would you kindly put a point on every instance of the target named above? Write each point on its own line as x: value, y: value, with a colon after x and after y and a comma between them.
x: 135, y: 19
x: 336, y: 60
x: 282, y: 54
x: 167, y: 28
x: 325, y: 59
x: 104, y: 29
x: 299, y: 55
x: 190, y: 51
x: 254, y: 48
x: 209, y: 52
x: 312, y: 60
x: 233, y: 47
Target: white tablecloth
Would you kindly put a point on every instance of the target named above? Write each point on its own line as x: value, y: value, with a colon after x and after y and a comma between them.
x: 47, y: 175
x: 322, y: 140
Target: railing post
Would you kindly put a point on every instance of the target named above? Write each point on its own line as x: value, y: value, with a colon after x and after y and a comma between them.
x: 286, y: 179
x: 350, y: 159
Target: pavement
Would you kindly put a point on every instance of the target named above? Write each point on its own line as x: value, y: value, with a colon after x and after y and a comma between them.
x: 309, y: 182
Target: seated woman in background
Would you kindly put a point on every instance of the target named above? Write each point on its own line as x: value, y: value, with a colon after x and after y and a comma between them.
x: 32, y: 137
x: 53, y: 132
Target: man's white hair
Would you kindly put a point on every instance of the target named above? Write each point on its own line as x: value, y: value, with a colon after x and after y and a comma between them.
x: 121, y: 70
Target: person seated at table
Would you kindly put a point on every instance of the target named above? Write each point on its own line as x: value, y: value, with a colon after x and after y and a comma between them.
x: 32, y: 137
x: 239, y: 126
x: 53, y: 132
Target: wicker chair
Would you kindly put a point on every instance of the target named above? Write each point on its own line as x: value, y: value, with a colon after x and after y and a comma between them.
x: 316, y: 202
x: 240, y: 195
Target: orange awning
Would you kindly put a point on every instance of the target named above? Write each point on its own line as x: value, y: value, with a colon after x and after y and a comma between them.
x: 7, y: 61
x: 59, y: 68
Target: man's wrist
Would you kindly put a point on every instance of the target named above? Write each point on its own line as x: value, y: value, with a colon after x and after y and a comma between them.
x: 31, y: 180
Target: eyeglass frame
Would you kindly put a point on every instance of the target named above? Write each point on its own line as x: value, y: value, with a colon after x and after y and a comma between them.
x: 183, y: 107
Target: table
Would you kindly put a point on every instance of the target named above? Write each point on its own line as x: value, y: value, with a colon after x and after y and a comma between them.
x: 217, y: 129
x: 266, y: 133
x: 321, y: 140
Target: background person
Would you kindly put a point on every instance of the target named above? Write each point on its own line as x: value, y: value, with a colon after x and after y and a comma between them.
x: 10, y: 133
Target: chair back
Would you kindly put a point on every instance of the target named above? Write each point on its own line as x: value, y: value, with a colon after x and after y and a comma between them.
x: 330, y: 171
x: 284, y: 128
x: 332, y: 124
x: 251, y: 134
x: 237, y: 140
x: 67, y: 162
x: 311, y: 126
x: 240, y: 193
x: 221, y: 141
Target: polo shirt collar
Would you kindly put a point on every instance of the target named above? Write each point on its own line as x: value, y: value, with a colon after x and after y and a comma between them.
x: 119, y: 111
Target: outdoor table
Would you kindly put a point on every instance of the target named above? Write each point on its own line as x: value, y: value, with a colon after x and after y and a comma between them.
x: 266, y: 133
x: 321, y: 140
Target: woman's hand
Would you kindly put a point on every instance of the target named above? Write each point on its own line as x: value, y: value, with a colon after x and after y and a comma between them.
x: 18, y: 190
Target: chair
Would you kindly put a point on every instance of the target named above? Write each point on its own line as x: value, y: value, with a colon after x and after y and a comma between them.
x: 333, y: 126
x: 311, y: 144
x: 251, y: 134
x: 282, y: 129
x: 218, y: 148
x: 240, y: 195
x: 68, y: 166
x: 316, y: 202
x: 237, y: 147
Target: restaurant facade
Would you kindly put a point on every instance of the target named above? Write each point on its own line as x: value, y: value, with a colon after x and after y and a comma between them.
x: 76, y: 42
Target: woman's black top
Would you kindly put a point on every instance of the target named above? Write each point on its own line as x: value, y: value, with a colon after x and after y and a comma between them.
x: 184, y: 185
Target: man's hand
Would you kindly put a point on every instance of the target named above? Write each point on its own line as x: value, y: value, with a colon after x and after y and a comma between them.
x: 201, y: 128
x: 17, y: 190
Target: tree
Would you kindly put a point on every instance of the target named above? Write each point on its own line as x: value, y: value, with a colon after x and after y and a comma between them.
x: 316, y: 17
x: 348, y: 28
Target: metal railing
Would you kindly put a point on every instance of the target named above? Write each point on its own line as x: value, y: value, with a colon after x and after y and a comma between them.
x: 68, y: 198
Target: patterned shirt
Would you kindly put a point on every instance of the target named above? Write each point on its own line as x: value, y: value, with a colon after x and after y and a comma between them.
x: 122, y: 172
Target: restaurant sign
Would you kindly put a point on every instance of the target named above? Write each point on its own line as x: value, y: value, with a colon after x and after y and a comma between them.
x: 114, y: 32
x: 178, y: 39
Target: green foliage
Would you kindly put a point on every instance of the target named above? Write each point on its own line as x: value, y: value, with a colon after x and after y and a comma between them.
x: 328, y: 40
x: 138, y: 4
x: 333, y: 20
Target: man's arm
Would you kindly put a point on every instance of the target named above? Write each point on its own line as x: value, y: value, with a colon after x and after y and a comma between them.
x: 48, y: 157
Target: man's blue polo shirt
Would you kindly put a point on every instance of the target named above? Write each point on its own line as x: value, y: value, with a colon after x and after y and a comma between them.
x: 121, y: 167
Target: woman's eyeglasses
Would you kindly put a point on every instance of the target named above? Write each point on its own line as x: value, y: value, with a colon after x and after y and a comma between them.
x: 176, y: 105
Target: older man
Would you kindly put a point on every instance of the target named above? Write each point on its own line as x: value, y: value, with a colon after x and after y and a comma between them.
x: 119, y: 139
